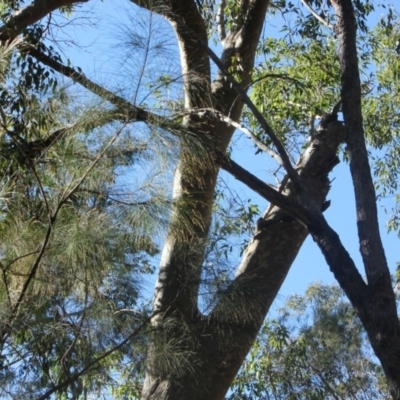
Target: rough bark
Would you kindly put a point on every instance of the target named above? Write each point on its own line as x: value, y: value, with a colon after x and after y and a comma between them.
x: 375, y: 304
x: 218, y: 343
x: 215, y: 345
x: 176, y: 294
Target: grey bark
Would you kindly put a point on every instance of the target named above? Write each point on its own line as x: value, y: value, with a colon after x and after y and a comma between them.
x: 375, y: 304
x: 234, y: 322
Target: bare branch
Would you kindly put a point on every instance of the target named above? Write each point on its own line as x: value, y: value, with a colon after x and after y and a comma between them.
x: 247, y: 132
x: 38, y: 148
x: 276, y: 76
x: 254, y: 138
x: 19, y: 258
x: 291, y: 207
x: 88, y: 367
x: 126, y: 111
x: 31, y: 14
x: 132, y: 112
x: 317, y: 16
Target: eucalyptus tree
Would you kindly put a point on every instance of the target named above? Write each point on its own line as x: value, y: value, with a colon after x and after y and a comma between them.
x: 194, y: 353
x: 316, y: 348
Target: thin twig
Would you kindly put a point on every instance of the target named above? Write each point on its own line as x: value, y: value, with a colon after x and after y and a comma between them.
x: 144, y: 63
x: 39, y: 182
x: 87, y: 368
x: 133, y: 112
x: 112, y: 140
x: 220, y: 20
x: 316, y: 15
x: 289, y: 205
x: 254, y: 138
x: 6, y: 283
x: 18, y: 258
x: 276, y: 76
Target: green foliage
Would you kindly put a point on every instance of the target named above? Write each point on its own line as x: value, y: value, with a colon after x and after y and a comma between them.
x: 316, y: 350
x: 75, y: 241
x: 295, y: 85
x: 297, y: 80
x: 382, y: 109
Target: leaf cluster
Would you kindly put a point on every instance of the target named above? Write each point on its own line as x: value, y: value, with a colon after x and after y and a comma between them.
x: 317, y: 349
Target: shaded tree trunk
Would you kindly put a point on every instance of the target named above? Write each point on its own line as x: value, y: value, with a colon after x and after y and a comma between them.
x: 375, y: 302
x: 218, y: 343
x: 214, y: 346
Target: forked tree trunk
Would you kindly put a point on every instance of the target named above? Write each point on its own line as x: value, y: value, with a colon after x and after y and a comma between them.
x: 195, y: 356
x: 199, y: 357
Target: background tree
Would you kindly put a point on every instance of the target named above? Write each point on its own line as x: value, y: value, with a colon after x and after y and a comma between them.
x: 316, y: 349
x: 192, y: 353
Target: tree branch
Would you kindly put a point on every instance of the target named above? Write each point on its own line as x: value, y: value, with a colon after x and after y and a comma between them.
x: 31, y: 14
x: 132, y: 112
x: 277, y: 76
x: 243, y: 129
x: 337, y: 257
x: 34, y: 150
x: 317, y: 16
x: 367, y: 216
x: 253, y: 137
x: 259, y: 117
x: 291, y: 207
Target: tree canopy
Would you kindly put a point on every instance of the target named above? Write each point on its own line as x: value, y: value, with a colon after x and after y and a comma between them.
x: 315, y: 349
x: 112, y: 176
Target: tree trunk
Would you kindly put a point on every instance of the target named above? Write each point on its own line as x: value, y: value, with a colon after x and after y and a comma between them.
x: 199, y: 357
x: 375, y: 302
